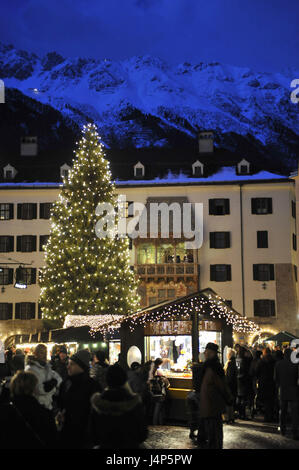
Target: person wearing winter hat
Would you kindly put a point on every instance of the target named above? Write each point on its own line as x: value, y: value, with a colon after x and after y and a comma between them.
x: 74, y: 402
x: 214, y: 397
x: 118, y: 416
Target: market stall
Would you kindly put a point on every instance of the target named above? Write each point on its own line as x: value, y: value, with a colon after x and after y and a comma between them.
x: 178, y: 331
x: 73, y: 338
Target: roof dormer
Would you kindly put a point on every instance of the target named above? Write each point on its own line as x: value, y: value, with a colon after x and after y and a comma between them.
x: 243, y: 167
x: 65, y: 170
x: 197, y: 168
x: 139, y: 170
x: 28, y: 146
x: 9, y: 172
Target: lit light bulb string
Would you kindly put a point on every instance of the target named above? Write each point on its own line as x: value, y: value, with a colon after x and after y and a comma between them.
x: 218, y: 309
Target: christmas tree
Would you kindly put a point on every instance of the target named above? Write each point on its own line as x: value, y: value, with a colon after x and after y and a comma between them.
x: 85, y: 274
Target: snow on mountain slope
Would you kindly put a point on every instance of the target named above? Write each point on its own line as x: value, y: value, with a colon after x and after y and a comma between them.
x: 143, y: 101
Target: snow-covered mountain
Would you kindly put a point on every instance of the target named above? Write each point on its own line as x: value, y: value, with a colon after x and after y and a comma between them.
x: 144, y: 102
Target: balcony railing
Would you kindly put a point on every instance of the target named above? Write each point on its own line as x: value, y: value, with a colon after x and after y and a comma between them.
x: 169, y: 269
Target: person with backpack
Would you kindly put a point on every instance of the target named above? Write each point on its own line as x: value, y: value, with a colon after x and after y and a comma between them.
x: 158, y: 388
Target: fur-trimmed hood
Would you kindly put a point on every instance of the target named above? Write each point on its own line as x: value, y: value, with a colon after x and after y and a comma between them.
x: 115, y: 401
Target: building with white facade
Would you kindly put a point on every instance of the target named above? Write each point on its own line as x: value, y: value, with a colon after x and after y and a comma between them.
x: 249, y: 249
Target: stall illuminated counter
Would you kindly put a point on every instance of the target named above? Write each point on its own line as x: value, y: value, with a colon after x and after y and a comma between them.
x: 180, y: 384
x: 172, y: 342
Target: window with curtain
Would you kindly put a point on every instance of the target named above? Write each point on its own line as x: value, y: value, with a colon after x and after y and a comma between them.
x: 165, y: 253
x: 146, y: 253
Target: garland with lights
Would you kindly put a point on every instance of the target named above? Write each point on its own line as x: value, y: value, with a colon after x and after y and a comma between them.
x: 84, y: 274
x: 93, y: 321
x: 200, y: 303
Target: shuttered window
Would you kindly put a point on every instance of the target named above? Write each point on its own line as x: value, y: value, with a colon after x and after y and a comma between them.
x: 5, y: 311
x: 263, y: 272
x: 294, y: 209
x: 26, y: 243
x: 6, y: 276
x: 219, y: 239
x: 6, y: 243
x: 27, y: 211
x: 6, y: 211
x: 262, y: 239
x: 219, y: 206
x: 25, y: 311
x: 294, y: 242
x: 264, y: 308
x: 220, y: 272
x: 45, y: 210
x: 26, y: 275
x: 261, y: 205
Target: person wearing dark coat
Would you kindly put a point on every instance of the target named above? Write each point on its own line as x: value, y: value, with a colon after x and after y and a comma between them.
x: 192, y: 404
x: 74, y: 403
x: 253, y: 374
x: 118, y: 416
x: 214, y: 397
x: 287, y: 378
x: 99, y: 369
x: 26, y: 423
x: 60, y: 363
x: 230, y: 370
x: 266, y: 384
x: 145, y: 393
x: 244, y: 385
x: 17, y: 363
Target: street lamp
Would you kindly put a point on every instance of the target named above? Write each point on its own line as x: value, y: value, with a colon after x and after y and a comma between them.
x: 20, y: 283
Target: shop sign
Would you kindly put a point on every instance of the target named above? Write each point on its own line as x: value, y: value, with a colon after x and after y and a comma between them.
x: 179, y: 327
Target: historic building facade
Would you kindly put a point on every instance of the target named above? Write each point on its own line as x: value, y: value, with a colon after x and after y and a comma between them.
x: 248, y: 254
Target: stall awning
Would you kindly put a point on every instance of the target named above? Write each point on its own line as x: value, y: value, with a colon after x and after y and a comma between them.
x: 62, y: 335
x: 281, y: 337
x: 205, y: 302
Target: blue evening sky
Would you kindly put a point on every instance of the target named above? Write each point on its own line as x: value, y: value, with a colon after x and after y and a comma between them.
x: 262, y: 34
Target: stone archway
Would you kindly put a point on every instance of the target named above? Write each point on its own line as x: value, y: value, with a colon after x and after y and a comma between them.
x: 260, y: 337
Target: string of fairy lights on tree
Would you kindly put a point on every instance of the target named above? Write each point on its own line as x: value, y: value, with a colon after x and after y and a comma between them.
x: 201, y: 303
x: 84, y: 274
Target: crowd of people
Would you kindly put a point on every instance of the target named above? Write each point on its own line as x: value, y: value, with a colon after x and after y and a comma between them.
x: 252, y: 383
x: 83, y: 402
